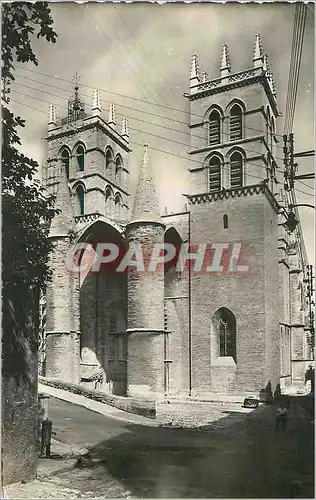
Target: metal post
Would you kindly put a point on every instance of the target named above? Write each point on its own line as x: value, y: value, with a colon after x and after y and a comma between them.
x: 46, y: 438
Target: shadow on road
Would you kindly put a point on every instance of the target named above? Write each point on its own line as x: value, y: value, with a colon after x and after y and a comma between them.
x: 238, y: 456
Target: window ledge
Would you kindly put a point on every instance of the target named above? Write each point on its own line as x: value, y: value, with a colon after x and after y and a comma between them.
x: 224, y: 361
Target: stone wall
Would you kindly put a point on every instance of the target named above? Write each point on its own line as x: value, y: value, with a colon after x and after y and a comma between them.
x: 252, y: 296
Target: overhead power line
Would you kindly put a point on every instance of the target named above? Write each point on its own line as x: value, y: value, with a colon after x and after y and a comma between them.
x: 197, y: 162
x: 130, y: 118
x: 128, y: 97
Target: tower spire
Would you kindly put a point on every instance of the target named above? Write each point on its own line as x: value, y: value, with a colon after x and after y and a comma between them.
x: 112, y: 115
x: 146, y: 206
x: 258, y: 55
x: 225, y: 62
x: 76, y: 106
x: 194, y: 72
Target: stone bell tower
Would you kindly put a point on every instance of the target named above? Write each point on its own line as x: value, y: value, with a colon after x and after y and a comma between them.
x: 94, y: 154
x: 87, y: 171
x: 234, y: 209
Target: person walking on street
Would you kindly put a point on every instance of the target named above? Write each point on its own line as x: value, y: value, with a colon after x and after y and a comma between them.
x: 281, y: 417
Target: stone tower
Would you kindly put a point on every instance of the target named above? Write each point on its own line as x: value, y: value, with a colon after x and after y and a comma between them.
x: 145, y: 320
x: 94, y: 155
x: 87, y: 171
x: 234, y: 209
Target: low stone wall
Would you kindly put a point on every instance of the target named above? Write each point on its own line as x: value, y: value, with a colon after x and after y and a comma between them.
x: 145, y: 408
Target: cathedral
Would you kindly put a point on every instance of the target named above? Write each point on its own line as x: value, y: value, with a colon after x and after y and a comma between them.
x: 238, y: 327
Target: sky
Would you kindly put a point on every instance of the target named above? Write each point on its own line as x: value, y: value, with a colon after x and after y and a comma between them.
x: 138, y: 56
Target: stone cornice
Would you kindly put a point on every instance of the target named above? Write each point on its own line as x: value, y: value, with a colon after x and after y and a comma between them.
x: 156, y: 331
x: 230, y: 144
x: 233, y: 81
x: 225, y: 194
x: 144, y: 221
x: 86, y: 124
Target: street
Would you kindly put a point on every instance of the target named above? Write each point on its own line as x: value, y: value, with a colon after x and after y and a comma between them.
x: 244, y: 459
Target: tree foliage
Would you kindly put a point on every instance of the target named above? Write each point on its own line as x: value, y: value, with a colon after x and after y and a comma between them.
x: 26, y: 209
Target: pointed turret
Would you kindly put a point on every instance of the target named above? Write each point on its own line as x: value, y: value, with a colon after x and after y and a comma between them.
x: 145, y: 290
x: 96, y: 103
x: 112, y: 116
x: 146, y: 206
x: 194, y: 72
x: 125, y: 131
x: 225, y: 62
x: 52, y: 117
x: 258, y: 55
x: 204, y: 77
x: 63, y: 221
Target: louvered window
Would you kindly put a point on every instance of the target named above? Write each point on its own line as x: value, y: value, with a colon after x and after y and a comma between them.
x: 235, y: 123
x: 215, y: 174
x: 236, y: 170
x: 214, y: 128
x: 65, y: 161
x: 80, y: 158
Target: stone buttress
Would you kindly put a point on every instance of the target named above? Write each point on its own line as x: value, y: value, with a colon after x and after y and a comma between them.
x: 62, y: 315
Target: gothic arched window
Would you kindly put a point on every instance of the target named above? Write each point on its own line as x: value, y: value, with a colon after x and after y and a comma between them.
x: 108, y: 199
x: 80, y: 157
x: 215, y: 174
x: 117, y: 203
x: 65, y: 158
x: 236, y: 170
x: 214, y: 127
x: 225, y: 323
x: 225, y: 221
x: 118, y: 168
x: 108, y: 159
x: 80, y: 194
x: 235, y: 125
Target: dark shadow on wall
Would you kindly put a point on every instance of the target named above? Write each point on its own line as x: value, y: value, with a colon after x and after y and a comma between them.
x: 240, y: 456
x: 19, y: 386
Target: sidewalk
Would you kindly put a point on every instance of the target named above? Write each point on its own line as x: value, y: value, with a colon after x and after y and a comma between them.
x: 102, y: 408
x: 63, y: 458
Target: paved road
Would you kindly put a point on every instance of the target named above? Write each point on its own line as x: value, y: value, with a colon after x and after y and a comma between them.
x: 246, y: 458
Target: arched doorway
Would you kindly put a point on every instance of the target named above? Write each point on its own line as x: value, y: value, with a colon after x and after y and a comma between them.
x: 103, y: 309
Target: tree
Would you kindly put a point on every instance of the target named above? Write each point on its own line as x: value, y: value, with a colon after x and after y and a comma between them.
x: 26, y: 209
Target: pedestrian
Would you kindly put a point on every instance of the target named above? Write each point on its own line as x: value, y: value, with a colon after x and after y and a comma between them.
x: 310, y: 376
x: 281, y: 417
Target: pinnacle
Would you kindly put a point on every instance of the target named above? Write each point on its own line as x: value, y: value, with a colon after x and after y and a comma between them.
x: 194, y: 68
x: 225, y: 62
x: 258, y: 52
x: 146, y: 206
x: 112, y: 115
x: 63, y: 221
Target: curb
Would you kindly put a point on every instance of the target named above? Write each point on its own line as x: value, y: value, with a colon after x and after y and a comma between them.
x: 96, y: 406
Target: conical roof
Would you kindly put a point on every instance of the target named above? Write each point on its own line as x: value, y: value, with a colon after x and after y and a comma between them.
x: 63, y: 221
x: 146, y: 206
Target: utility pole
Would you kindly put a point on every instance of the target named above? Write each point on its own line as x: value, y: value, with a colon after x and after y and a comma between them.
x: 310, y: 298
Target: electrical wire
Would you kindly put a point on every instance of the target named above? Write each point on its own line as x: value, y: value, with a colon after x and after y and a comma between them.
x: 130, y: 118
x: 128, y: 97
x: 196, y: 162
x: 163, y: 138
